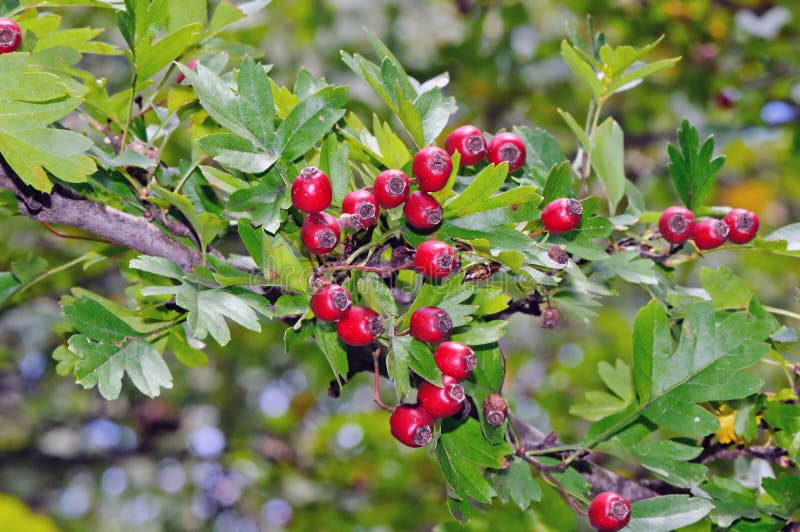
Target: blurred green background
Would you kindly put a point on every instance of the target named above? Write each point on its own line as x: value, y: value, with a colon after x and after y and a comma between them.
x: 252, y: 441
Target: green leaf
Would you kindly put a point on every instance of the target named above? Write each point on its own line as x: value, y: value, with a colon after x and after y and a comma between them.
x: 581, y: 68
x: 186, y: 354
x: 480, y: 333
x: 681, y: 416
x: 627, y: 266
x: 261, y: 204
x: 226, y: 13
x: 651, y: 340
x: 152, y: 57
x: 256, y: 108
x: 376, y: 295
x: 462, y: 477
x: 633, y: 75
x: 558, y: 183
x: 667, y: 513
x: 157, y: 266
x: 308, y: 122
x: 785, y: 489
x: 8, y: 286
x: 577, y: 130
x: 418, y: 357
x: 332, y: 348
x: 435, y: 110
x: 597, y: 406
x: 789, y: 234
x: 608, y: 161
x: 95, y: 321
x: 693, y: 167
x: 491, y: 368
x: 543, y: 151
x: 725, y: 288
x: 233, y: 151
x: 474, y: 198
x: 465, y: 438
x: 334, y: 161
x: 29, y: 268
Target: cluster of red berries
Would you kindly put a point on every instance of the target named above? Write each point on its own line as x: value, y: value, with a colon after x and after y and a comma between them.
x: 677, y: 225
x: 10, y: 36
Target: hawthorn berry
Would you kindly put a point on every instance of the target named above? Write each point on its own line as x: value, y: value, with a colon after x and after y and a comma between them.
x: 609, y: 512
x: 330, y: 302
x: 432, y: 167
x: 422, y: 211
x: 311, y: 190
x: 495, y: 409
x: 455, y: 359
x: 359, y: 326
x: 442, y: 401
x: 10, y: 36
x: 320, y: 233
x: 191, y: 65
x: 550, y: 318
x: 709, y: 233
x: 435, y: 259
x: 363, y: 205
x: 411, y: 425
x: 676, y: 224
x: 431, y: 325
x: 469, y: 142
x: 562, y: 215
x: 391, y: 188
x: 743, y: 225
x: 507, y: 147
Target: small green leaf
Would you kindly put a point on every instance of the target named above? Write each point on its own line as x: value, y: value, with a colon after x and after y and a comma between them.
x: 308, y: 122
x: 693, y: 167
x: 667, y: 513
x: 332, y: 348
x: 789, y: 234
x: 577, y: 130
x: 651, y: 340
x: 480, y: 333
x: 465, y: 438
x: 376, y: 295
x: 608, y: 161
x: 725, y: 288
x: 474, y: 198
x: 581, y: 68
x: 94, y: 320
x: 29, y: 268
x: 157, y: 266
x: 558, y: 183
x: 233, y: 151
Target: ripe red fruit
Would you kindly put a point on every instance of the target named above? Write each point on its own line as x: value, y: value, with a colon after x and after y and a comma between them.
x: 562, y: 215
x: 676, y: 224
x: 507, y: 147
x: 422, y: 211
x: 609, y: 512
x: 710, y: 233
x: 360, y: 326
x: 10, y: 36
x: 181, y: 76
x: 441, y: 402
x: 455, y: 359
x: 391, y: 188
x: 311, y: 190
x: 469, y: 142
x: 743, y: 225
x: 331, y: 302
x: 435, y: 259
x: 411, y: 425
x: 320, y: 233
x: 431, y: 325
x: 432, y: 167
x: 363, y: 205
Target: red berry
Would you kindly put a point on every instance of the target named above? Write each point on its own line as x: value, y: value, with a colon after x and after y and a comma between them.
x: 441, y: 402
x: 422, y: 211
x: 562, y: 215
x: 743, y: 225
x: 609, y: 512
x: 431, y: 325
x: 360, y: 326
x: 391, y: 188
x: 191, y: 65
x: 320, y: 233
x: 676, y: 224
x: 709, y: 233
x: 331, y: 302
x: 455, y: 359
x: 10, y: 36
x: 469, y: 142
x: 435, y: 259
x: 507, y: 147
x: 432, y: 167
x: 363, y: 205
x: 311, y: 190
x: 411, y: 425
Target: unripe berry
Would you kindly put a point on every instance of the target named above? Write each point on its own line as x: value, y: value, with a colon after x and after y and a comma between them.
x: 191, y: 65
x: 709, y: 233
x: 320, y: 233
x: 550, y: 318
x: 10, y: 36
x: 330, y: 302
x: 441, y: 402
x: 507, y: 147
x: 432, y: 167
x: 562, y: 215
x: 455, y: 359
x: 411, y: 425
x: 609, y: 512
x: 431, y: 325
x: 676, y: 224
x: 360, y: 326
x: 311, y: 190
x: 435, y: 259
x: 469, y: 142
x: 743, y: 225
x: 495, y: 409
x: 391, y: 188
x: 422, y: 211
x: 363, y: 205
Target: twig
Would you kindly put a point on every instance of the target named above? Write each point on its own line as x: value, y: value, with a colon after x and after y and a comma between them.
x: 377, y: 389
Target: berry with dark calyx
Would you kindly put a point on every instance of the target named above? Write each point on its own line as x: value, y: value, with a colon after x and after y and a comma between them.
x: 391, y: 188
x: 743, y: 225
x: 432, y: 167
x: 411, y: 425
x: 467, y: 141
x: 10, y: 36
x: 495, y: 409
x: 557, y: 254
x: 609, y: 512
x: 507, y: 147
x: 360, y: 326
x: 709, y: 233
x: 455, y: 359
x: 441, y: 402
x: 363, y: 205
x: 431, y: 325
x: 562, y: 215
x: 550, y: 318
x: 676, y: 224
x: 311, y: 190
x: 331, y: 302
x: 320, y: 233
x: 191, y: 65
x: 435, y: 259
x: 422, y: 211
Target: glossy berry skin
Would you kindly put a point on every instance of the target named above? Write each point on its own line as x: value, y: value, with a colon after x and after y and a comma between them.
x: 562, y: 215
x: 609, y: 512
x: 422, y: 211
x: 507, y: 147
x: 191, y: 65
x: 432, y: 167
x: 676, y: 224
x: 743, y: 225
x: 431, y: 325
x: 10, y: 36
x: 311, y: 190
x: 455, y: 359
x: 391, y: 188
x: 360, y: 326
x: 435, y: 259
x: 441, y: 402
x: 469, y: 142
x: 320, y: 233
x: 331, y: 302
x: 411, y: 425
x: 709, y: 233
x: 363, y: 205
